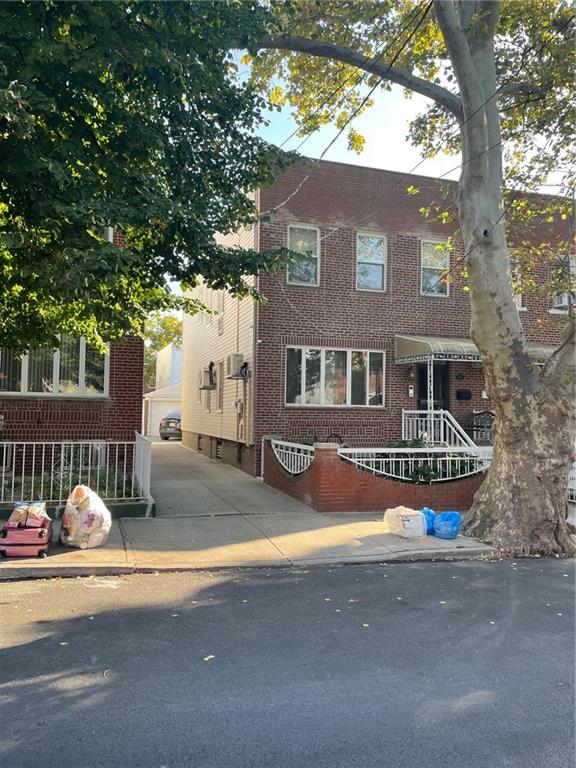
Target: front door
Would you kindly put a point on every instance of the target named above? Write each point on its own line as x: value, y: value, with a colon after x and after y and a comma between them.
x: 440, y: 386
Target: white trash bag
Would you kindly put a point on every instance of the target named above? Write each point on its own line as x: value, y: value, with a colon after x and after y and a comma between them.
x: 406, y: 522
x: 86, y: 521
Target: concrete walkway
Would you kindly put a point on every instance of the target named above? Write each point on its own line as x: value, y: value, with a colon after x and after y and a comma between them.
x: 210, y: 515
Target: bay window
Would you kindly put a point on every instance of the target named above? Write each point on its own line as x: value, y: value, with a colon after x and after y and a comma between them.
x: 322, y: 377
x: 72, y: 369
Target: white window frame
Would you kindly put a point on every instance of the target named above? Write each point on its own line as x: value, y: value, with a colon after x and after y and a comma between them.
x: 56, y: 378
x: 562, y: 309
x: 367, y: 233
x: 323, y: 350
x: 220, y: 379
x: 295, y: 225
x: 423, y: 293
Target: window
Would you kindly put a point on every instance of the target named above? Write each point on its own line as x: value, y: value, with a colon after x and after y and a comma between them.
x: 220, y: 383
x: 72, y: 369
x: 435, y: 263
x: 371, y: 262
x: 305, y: 241
x: 334, y: 377
x: 561, y: 302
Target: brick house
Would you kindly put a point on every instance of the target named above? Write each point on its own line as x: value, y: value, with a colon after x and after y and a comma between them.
x: 73, y: 393
x: 362, y: 328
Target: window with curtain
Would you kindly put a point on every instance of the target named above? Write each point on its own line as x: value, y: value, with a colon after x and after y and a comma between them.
x: 334, y: 377
x: 74, y: 368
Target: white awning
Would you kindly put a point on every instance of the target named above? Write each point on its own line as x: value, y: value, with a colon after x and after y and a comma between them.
x: 416, y: 349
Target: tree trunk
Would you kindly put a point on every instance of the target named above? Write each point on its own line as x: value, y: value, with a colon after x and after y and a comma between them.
x: 522, y: 505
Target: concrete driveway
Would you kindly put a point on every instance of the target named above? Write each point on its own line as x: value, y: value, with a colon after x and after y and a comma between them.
x: 187, y: 484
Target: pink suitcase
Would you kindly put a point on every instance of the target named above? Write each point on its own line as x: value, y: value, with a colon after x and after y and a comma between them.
x: 26, y: 541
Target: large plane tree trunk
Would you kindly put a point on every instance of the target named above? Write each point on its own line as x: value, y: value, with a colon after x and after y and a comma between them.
x: 521, y: 507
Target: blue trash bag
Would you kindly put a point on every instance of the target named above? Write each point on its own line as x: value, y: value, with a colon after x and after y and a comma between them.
x: 447, y: 525
x: 429, y: 514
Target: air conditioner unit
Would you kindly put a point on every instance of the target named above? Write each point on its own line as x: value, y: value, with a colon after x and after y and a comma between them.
x: 234, y: 365
x: 208, y: 379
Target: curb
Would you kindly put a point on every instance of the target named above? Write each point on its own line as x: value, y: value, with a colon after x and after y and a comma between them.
x: 41, y: 571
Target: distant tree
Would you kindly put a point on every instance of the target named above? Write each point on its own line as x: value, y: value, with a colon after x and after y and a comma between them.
x: 159, y: 331
x: 121, y: 114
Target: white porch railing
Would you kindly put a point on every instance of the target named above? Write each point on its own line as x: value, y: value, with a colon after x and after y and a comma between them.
x: 572, y: 484
x: 294, y: 457
x: 418, y: 464
x: 116, y: 471
x: 435, y: 428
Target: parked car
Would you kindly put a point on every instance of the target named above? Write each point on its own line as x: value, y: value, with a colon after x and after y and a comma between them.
x: 170, y: 426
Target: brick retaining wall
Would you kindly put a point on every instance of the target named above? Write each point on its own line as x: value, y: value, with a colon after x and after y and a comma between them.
x: 332, y: 484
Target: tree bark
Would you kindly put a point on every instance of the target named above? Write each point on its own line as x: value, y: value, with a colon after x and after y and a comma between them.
x: 521, y: 507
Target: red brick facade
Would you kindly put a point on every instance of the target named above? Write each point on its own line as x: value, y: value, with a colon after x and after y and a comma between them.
x: 342, y: 200
x: 115, y: 417
x: 331, y: 484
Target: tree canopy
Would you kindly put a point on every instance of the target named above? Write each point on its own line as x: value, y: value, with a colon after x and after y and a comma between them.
x: 122, y: 114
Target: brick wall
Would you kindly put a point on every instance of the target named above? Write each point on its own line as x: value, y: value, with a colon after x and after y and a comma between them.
x: 116, y: 417
x: 332, y: 484
x: 335, y: 314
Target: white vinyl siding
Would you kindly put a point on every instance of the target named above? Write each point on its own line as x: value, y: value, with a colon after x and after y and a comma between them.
x: 334, y: 378
x: 305, y: 241
x: 371, y: 262
x: 434, y: 266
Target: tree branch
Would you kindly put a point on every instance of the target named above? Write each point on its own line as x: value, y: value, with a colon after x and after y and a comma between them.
x: 402, y: 77
x: 560, y: 369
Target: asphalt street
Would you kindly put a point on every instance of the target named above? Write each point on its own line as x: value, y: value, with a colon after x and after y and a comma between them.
x: 409, y: 666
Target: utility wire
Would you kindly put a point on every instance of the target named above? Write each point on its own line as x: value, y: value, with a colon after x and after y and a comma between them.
x: 317, y: 161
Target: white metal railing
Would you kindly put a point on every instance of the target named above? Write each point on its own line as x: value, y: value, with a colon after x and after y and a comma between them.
x: 116, y: 471
x: 294, y: 457
x: 418, y: 464
x: 435, y: 427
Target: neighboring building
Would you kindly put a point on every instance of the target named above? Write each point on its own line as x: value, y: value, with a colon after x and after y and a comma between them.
x: 158, y: 404
x: 74, y: 393
x: 361, y: 328
x: 168, y: 366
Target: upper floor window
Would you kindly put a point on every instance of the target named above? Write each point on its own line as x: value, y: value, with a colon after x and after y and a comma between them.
x: 334, y: 377
x: 305, y: 241
x: 566, y: 273
x: 371, y: 262
x: 72, y: 369
x: 435, y: 264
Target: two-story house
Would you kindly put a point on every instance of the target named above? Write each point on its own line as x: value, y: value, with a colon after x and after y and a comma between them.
x: 364, y: 326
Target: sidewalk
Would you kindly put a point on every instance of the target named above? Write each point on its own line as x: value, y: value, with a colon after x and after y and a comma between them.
x: 170, y: 544
x: 214, y: 516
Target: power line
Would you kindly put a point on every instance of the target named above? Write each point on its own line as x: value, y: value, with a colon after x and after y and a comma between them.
x: 316, y: 162
x: 407, y: 21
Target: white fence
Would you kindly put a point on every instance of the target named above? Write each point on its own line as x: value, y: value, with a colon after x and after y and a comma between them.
x: 117, y: 471
x: 294, y: 457
x: 417, y: 464
x: 435, y: 428
x: 572, y: 484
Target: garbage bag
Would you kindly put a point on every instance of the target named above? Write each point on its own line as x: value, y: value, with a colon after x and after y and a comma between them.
x: 447, y: 525
x: 28, y: 514
x: 429, y: 514
x: 86, y: 521
x: 406, y: 522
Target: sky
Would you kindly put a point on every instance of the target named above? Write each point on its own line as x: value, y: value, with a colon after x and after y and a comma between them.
x: 384, y: 126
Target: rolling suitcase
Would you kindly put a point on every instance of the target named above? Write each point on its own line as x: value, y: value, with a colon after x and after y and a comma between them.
x: 28, y: 532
